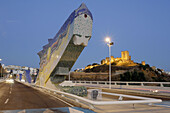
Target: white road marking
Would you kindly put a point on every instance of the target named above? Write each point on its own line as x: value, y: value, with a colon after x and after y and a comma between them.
x: 6, y: 101
x: 10, y: 90
x: 50, y: 95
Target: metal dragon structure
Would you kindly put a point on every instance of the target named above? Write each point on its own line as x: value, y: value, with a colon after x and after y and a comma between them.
x: 60, y: 54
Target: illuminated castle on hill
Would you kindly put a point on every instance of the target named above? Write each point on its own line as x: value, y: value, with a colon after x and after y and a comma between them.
x: 125, y: 60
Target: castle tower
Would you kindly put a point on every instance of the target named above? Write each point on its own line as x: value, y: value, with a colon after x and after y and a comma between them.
x: 103, y: 61
x: 143, y: 62
x: 125, y: 56
x: 112, y: 59
x: 122, y: 55
x: 107, y: 60
x: 130, y: 58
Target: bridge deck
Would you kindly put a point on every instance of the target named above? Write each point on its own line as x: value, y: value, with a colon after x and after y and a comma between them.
x: 19, y: 96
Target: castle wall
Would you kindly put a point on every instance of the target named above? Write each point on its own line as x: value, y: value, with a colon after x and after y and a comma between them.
x: 125, y: 59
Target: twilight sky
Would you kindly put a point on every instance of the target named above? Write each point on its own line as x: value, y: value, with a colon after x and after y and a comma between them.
x: 140, y: 26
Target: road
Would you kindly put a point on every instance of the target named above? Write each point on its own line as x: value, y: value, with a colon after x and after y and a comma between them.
x: 22, y: 99
x: 18, y: 96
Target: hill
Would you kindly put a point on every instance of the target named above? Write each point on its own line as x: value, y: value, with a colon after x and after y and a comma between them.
x: 122, y: 73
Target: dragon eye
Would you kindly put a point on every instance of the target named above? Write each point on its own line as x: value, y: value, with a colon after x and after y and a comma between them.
x: 85, y: 15
x: 87, y: 36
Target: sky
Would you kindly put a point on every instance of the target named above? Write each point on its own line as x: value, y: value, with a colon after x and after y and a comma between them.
x: 141, y: 27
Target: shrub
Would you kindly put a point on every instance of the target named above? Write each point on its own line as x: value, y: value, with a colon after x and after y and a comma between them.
x: 76, y: 90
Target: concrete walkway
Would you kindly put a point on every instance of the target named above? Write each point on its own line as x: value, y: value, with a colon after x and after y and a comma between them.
x: 129, y: 108
x: 137, y: 108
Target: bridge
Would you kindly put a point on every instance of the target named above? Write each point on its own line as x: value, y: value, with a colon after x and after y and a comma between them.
x: 24, y: 96
x: 56, y: 60
x: 18, y: 97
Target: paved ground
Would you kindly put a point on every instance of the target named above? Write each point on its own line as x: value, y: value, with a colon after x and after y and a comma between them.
x: 18, y: 96
x: 129, y: 108
x: 147, y: 92
x: 21, y: 98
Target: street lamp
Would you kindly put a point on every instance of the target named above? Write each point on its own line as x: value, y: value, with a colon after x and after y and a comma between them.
x: 109, y: 43
x: 69, y: 76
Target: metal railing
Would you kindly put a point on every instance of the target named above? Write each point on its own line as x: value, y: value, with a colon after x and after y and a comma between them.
x: 157, y: 84
x: 92, y: 103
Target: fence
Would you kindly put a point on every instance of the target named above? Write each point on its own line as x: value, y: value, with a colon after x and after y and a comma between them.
x: 157, y: 84
x: 92, y: 103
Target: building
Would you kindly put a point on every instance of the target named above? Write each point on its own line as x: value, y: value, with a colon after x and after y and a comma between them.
x: 79, y: 70
x: 168, y: 73
x: 125, y: 56
x: 13, y: 69
x: 143, y: 63
x: 125, y: 60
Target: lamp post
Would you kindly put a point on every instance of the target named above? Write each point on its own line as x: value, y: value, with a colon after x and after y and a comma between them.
x: 69, y: 76
x: 109, y: 43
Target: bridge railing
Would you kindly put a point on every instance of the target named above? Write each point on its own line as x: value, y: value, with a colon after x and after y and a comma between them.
x: 93, y: 103
x: 157, y: 84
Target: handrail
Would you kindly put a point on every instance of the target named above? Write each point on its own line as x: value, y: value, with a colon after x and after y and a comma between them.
x: 123, y: 82
x: 91, y: 103
x: 128, y: 83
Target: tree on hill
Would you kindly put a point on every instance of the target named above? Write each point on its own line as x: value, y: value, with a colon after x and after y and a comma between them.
x: 95, y: 64
x: 159, y: 70
x: 114, y: 63
x: 133, y: 76
x: 89, y: 65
